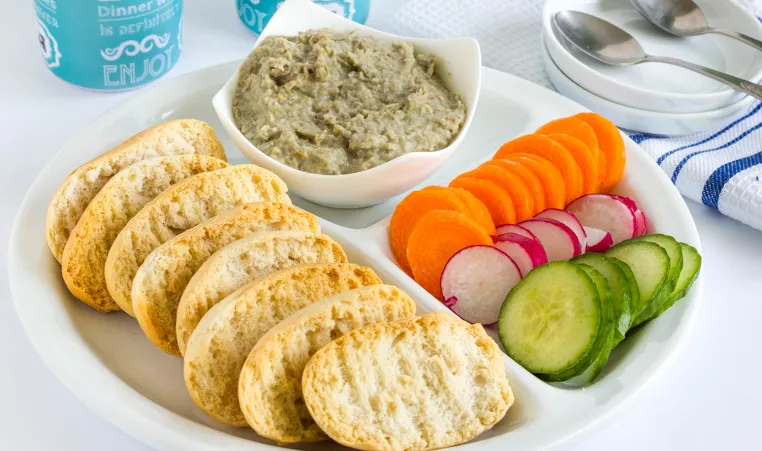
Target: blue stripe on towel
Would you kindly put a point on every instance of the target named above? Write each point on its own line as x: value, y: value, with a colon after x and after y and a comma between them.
x: 710, y: 196
x: 688, y: 146
x: 644, y: 136
x: 724, y: 146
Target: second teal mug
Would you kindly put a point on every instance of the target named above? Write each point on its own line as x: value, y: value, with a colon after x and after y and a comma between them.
x: 256, y: 13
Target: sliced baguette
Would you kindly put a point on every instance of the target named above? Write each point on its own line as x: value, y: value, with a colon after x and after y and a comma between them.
x: 224, y: 272
x: 270, y: 386
x: 223, y: 339
x: 178, y: 137
x: 83, y: 264
x: 167, y: 270
x: 179, y: 208
x: 426, y: 383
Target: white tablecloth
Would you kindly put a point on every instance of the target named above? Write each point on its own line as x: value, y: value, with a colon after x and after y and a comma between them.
x: 707, y: 399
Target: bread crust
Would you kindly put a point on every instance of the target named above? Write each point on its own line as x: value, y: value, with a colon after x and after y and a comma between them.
x: 270, y: 388
x: 412, y: 385
x: 223, y: 339
x: 83, y: 264
x: 177, y: 137
x: 179, y: 208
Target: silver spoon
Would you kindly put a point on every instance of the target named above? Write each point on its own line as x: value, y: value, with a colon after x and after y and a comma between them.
x: 610, y: 44
x: 684, y: 18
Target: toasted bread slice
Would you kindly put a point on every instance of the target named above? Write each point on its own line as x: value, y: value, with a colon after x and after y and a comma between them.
x: 83, y: 264
x: 223, y: 339
x: 270, y: 386
x: 179, y: 208
x: 178, y: 137
x: 167, y: 270
x: 426, y: 383
x: 224, y: 272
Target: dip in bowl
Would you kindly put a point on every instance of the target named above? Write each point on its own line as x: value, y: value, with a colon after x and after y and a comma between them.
x: 343, y: 160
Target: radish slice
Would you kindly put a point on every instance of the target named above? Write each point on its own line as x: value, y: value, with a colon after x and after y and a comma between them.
x: 527, y: 253
x: 513, y: 228
x: 558, y: 240
x: 640, y: 218
x: 606, y: 212
x: 567, y: 219
x: 476, y: 281
x: 598, y: 240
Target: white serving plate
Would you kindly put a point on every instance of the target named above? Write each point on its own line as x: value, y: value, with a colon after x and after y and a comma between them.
x: 460, y: 71
x: 108, y: 363
x: 661, y: 87
x: 629, y: 118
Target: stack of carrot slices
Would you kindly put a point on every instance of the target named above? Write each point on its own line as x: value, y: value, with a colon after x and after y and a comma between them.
x: 563, y: 160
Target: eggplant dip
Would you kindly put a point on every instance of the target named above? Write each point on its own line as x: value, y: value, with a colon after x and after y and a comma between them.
x: 327, y: 102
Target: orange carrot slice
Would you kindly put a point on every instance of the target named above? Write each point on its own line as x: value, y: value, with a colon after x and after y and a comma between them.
x: 550, y: 177
x: 497, y: 200
x: 586, y: 161
x: 611, y: 149
x: 438, y: 236
x: 576, y: 128
x: 412, y: 208
x: 522, y: 198
x: 479, y: 212
x: 552, y: 151
x: 529, y: 178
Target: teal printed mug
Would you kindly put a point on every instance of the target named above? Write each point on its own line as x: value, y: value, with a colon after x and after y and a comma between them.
x: 110, y: 45
x: 256, y: 13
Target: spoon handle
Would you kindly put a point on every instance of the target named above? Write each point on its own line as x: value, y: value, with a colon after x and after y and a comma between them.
x: 757, y: 44
x: 739, y: 84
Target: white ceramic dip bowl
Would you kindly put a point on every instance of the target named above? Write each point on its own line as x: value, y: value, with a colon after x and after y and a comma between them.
x: 460, y: 70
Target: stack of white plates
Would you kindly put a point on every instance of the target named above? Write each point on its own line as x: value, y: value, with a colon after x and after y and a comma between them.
x: 657, y: 98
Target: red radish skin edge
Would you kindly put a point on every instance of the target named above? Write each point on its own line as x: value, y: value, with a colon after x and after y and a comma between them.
x: 606, y: 212
x: 558, y: 240
x: 476, y: 281
x: 569, y: 220
x: 526, y: 253
x: 640, y: 217
x: 598, y: 240
x: 629, y: 201
x: 513, y: 228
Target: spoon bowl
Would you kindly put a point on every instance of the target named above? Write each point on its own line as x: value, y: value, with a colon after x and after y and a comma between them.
x: 678, y: 17
x: 685, y: 18
x: 598, y: 38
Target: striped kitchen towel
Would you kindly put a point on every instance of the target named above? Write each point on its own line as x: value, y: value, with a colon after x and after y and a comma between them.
x: 720, y: 168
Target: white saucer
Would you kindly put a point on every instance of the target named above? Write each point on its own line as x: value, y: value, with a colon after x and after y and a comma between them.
x: 670, y: 124
x: 660, y: 87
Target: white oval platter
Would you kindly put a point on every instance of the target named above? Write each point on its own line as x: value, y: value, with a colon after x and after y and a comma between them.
x: 108, y: 363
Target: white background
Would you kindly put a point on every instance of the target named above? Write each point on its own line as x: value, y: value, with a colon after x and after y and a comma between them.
x: 708, y: 399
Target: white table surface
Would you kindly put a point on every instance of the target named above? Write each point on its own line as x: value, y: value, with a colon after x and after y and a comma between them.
x: 708, y: 399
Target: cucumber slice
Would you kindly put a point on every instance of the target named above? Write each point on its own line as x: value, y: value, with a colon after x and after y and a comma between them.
x: 688, y: 275
x: 595, y: 369
x: 632, y: 284
x: 550, y: 320
x: 649, y: 263
x: 620, y: 290
x: 605, y: 338
x: 675, y: 254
